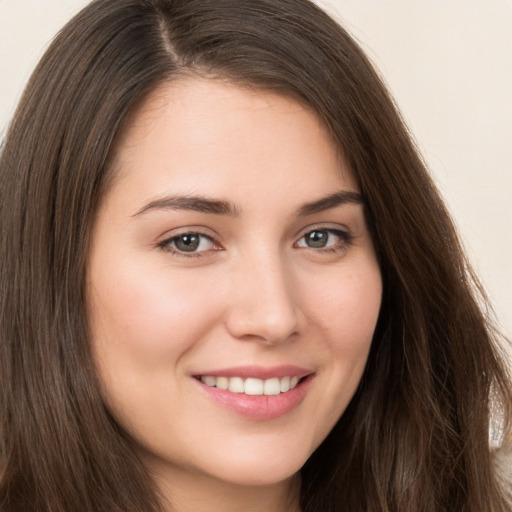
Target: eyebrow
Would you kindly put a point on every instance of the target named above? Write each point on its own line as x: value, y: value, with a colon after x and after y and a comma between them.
x: 191, y: 203
x: 219, y: 207
x: 326, y: 203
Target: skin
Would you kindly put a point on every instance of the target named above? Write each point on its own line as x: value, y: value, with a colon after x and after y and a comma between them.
x: 255, y: 292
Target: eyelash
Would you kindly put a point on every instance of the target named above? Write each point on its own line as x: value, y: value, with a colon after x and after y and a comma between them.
x: 342, y: 245
x: 345, y: 237
x: 166, y: 246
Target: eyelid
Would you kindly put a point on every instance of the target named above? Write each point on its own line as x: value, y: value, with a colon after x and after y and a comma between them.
x: 324, y: 227
x: 341, y: 231
x: 165, y: 243
x: 185, y: 230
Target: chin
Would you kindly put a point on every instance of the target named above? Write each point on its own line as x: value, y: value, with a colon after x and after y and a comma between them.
x: 258, y: 458
x: 268, y: 473
x: 247, y: 466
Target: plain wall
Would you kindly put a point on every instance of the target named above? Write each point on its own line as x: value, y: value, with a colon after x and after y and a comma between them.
x: 449, y: 66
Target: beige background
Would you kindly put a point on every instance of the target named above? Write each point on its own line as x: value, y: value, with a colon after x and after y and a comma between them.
x: 449, y: 65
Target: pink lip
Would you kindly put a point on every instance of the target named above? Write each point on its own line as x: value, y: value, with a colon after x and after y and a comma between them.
x: 261, y: 407
x: 259, y: 372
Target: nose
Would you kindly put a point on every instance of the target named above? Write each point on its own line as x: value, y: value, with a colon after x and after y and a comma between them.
x: 264, y: 302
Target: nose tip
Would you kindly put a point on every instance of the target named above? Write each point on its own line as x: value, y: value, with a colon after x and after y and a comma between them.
x: 264, y: 309
x: 272, y: 327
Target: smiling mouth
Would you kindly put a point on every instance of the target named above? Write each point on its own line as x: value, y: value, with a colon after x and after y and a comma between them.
x: 252, y: 386
x: 257, y: 393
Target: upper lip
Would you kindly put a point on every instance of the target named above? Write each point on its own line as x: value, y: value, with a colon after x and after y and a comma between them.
x: 258, y: 372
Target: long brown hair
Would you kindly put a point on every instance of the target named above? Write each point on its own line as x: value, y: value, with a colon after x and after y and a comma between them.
x: 414, y: 437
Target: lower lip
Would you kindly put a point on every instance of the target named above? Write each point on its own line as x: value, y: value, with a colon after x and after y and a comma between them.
x: 260, y: 407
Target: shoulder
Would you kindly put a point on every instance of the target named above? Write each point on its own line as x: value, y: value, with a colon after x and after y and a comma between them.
x: 503, y: 465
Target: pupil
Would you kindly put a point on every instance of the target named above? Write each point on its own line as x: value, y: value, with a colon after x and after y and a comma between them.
x: 187, y: 243
x: 317, y: 239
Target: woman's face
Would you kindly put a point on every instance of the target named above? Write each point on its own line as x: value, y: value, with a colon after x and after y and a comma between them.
x: 230, y: 251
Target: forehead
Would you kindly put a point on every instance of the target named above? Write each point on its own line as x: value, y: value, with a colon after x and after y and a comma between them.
x: 215, y: 133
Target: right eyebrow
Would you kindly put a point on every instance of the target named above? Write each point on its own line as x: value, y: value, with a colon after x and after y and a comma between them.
x: 191, y: 203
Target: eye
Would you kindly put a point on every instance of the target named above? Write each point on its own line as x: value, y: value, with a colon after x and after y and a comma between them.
x: 188, y: 243
x: 324, y: 239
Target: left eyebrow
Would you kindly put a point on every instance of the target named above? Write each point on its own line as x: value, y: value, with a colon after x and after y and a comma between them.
x: 326, y: 203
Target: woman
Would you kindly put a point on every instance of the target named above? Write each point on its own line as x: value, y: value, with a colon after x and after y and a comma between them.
x: 228, y: 281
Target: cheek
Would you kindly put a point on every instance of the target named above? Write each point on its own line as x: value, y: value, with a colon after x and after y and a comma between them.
x: 146, y: 315
x: 347, y: 314
x: 343, y: 311
x: 347, y: 309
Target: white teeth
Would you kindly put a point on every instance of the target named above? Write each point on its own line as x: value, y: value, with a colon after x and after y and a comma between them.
x: 209, y: 381
x: 222, y: 383
x: 285, y: 384
x: 236, y: 385
x: 272, y: 387
x: 251, y: 386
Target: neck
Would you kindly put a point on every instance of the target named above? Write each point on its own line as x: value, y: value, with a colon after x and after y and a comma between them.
x: 189, y: 492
